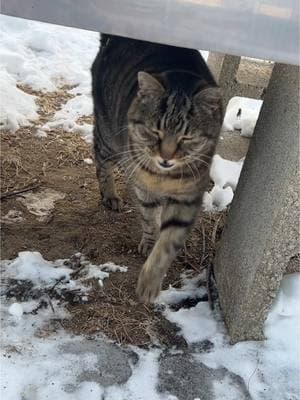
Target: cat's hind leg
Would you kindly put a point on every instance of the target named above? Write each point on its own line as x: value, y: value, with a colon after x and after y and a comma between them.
x: 105, y: 162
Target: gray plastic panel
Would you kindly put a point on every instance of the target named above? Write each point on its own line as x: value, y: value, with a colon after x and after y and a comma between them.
x: 267, y: 29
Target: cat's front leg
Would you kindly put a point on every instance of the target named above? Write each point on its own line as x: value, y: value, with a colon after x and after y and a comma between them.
x: 177, y: 220
x: 150, y: 212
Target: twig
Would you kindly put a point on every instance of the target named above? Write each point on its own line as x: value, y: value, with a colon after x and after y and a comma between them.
x: 50, y: 302
x: 77, y: 272
x: 56, y: 283
x: 17, y: 192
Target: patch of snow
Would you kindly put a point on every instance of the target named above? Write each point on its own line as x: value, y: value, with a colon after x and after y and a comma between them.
x: 66, y: 118
x: 40, y: 134
x: 88, y: 161
x: 269, y: 368
x: 69, y: 125
x: 217, y: 199
x: 32, y: 266
x: 196, y: 323
x: 224, y: 389
x: 242, y: 114
x: 112, y: 267
x: 142, y: 384
x: 19, y: 108
x: 44, y: 57
x: 225, y: 174
x: 190, y: 289
x: 41, y: 203
x: 16, y: 309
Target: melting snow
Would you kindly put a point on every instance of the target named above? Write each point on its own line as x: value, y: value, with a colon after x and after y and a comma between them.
x: 45, y: 57
x: 269, y: 368
x: 242, y: 114
x: 225, y: 174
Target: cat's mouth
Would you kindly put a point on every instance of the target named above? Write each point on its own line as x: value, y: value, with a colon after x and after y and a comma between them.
x: 165, y: 164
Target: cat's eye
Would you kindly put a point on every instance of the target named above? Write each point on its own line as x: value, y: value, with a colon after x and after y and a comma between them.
x: 157, y: 134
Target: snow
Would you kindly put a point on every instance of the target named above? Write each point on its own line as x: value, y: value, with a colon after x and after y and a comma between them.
x: 242, y: 114
x: 217, y: 199
x: 88, y: 161
x: 16, y: 309
x: 269, y: 368
x: 25, y: 347
x: 19, y: 108
x: 196, y: 323
x: 225, y: 174
x: 31, y: 266
x: 45, y: 57
x: 190, y: 289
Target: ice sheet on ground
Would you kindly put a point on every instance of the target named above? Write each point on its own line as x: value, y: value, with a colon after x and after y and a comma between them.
x: 41, y: 203
x: 242, y: 114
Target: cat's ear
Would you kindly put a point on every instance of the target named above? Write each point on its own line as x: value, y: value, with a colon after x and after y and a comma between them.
x: 148, y: 83
x: 209, y: 98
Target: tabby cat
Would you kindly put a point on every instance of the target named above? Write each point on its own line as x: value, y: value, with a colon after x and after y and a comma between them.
x: 158, y: 113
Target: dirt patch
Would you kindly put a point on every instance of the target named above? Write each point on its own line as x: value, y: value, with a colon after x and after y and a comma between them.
x: 80, y: 223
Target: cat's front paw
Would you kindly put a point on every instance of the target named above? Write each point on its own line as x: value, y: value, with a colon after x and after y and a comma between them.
x: 149, y: 284
x: 146, y: 245
x: 114, y: 203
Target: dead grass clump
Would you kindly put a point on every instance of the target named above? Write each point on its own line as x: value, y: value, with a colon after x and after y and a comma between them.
x: 48, y: 102
x: 85, y: 119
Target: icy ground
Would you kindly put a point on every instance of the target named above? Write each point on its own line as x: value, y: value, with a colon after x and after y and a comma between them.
x: 37, y: 364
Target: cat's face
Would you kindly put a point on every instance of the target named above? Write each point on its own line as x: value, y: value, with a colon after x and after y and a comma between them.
x: 170, y: 130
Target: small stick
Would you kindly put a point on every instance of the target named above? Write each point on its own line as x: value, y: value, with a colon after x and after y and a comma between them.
x: 17, y: 192
x: 77, y: 272
x: 50, y: 303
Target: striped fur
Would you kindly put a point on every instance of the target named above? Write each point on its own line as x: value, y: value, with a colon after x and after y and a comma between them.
x: 158, y: 114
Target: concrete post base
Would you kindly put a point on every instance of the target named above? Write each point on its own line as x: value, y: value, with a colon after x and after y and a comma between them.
x: 261, y: 233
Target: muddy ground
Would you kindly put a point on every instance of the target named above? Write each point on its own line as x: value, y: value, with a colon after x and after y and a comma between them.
x: 80, y: 223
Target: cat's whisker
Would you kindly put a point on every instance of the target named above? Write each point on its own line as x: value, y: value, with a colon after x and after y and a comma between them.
x: 197, y: 159
x: 190, y: 168
x: 120, y: 131
x: 121, y: 153
x: 130, y: 161
x: 138, y: 165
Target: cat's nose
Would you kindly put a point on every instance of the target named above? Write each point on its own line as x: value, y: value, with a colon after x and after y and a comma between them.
x: 165, y: 164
